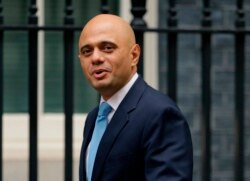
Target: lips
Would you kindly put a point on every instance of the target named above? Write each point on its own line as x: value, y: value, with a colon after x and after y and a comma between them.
x: 100, y: 73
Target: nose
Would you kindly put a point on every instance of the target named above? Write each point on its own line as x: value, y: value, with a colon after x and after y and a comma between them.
x: 97, y: 57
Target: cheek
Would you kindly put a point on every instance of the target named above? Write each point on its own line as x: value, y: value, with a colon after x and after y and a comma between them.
x: 125, y: 65
x: 121, y: 63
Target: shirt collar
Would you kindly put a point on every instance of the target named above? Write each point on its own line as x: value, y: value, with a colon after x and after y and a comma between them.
x: 117, y: 98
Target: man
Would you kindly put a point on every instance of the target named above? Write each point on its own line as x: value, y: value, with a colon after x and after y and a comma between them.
x: 146, y: 136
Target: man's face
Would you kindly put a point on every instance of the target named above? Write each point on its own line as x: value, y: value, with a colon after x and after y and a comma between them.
x: 107, y: 57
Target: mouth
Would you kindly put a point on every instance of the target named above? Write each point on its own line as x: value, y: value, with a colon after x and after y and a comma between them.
x: 99, y: 73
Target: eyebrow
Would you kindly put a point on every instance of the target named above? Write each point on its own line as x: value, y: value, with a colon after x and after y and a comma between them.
x: 100, y: 43
x: 109, y: 43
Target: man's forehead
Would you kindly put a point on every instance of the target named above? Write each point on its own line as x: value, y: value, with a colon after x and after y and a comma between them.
x: 100, y: 36
x: 95, y: 32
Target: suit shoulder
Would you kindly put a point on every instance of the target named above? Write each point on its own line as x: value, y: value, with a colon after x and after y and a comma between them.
x: 155, y: 97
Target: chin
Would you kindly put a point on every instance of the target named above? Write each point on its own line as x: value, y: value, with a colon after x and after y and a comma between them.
x: 100, y: 86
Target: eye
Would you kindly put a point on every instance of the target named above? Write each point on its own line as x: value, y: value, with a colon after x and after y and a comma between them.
x: 86, y: 51
x: 108, y: 47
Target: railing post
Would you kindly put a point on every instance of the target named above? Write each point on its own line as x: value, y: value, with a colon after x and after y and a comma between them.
x: 68, y: 91
x: 105, y: 7
x: 33, y: 119
x: 172, y: 51
x: 138, y: 10
x: 206, y: 94
x: 239, y: 92
x: 1, y: 93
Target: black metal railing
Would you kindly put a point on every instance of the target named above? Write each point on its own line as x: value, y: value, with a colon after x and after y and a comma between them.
x: 68, y: 90
x: 1, y: 92
x: 239, y: 92
x: 138, y: 10
x: 206, y: 93
x: 33, y: 87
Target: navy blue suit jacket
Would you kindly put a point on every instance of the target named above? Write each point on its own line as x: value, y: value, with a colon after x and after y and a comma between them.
x: 147, y: 139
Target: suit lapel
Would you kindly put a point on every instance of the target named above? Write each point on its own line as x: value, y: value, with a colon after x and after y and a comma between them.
x: 118, y: 122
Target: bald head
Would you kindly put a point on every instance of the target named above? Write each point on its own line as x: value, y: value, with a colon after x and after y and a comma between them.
x: 110, y: 22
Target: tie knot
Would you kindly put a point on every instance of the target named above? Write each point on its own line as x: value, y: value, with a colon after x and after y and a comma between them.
x: 104, y: 109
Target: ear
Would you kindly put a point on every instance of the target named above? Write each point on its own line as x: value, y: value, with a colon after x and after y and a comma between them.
x: 135, y: 54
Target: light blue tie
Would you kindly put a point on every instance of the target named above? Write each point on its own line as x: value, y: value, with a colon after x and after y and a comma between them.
x: 100, y: 126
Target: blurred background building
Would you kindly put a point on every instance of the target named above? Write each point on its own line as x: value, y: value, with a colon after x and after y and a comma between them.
x: 220, y: 128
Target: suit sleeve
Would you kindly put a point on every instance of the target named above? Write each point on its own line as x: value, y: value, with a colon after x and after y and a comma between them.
x: 168, y: 147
